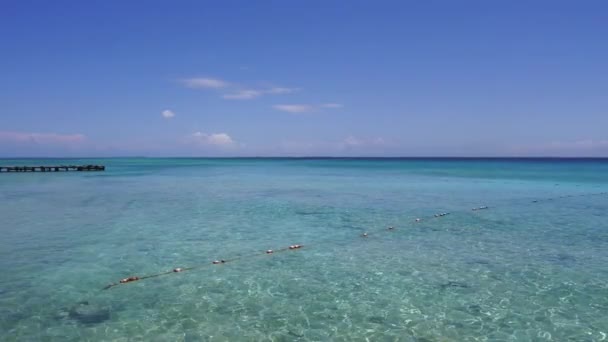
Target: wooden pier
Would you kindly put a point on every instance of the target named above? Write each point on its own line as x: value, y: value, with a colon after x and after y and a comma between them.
x: 61, y: 168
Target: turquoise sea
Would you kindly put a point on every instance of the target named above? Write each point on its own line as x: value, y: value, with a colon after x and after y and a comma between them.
x: 531, y: 267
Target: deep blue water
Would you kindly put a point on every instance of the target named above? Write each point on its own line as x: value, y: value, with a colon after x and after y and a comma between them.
x: 531, y: 267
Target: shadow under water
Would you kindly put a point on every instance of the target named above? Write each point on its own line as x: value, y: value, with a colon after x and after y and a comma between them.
x: 86, y: 314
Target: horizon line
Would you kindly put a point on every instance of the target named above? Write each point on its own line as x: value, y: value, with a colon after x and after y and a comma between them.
x: 312, y: 157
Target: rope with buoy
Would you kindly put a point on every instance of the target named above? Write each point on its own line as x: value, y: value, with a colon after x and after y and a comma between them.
x: 417, y: 220
x: 132, y: 279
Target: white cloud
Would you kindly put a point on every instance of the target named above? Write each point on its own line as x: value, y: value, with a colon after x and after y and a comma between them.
x: 293, y: 108
x: 167, y: 114
x: 247, y: 94
x: 205, y: 83
x: 332, y: 105
x: 42, y: 138
x: 220, y: 139
x: 281, y: 90
x: 214, y: 139
x: 235, y: 91
x: 303, y: 108
x: 351, y: 141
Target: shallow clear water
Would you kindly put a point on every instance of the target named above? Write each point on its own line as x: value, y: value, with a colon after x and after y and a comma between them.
x: 519, y: 271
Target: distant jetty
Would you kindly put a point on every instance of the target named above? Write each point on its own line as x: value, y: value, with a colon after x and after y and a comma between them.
x: 61, y: 168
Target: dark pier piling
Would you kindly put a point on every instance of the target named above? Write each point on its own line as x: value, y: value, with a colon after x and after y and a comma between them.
x: 60, y: 168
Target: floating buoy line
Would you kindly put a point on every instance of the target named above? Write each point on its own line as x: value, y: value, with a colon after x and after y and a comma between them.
x: 294, y: 247
x: 214, y: 262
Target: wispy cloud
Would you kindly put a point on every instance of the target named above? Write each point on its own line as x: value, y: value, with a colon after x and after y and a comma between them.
x: 167, y: 114
x: 41, y: 138
x: 352, y: 141
x: 281, y: 90
x: 246, y: 94
x: 235, y: 91
x: 213, y: 139
x: 204, y: 83
x: 294, y: 108
x: 304, y: 108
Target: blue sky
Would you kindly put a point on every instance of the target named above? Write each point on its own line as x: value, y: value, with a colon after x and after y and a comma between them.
x: 298, y: 78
